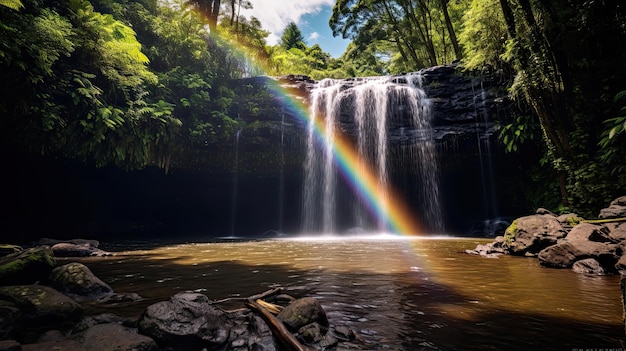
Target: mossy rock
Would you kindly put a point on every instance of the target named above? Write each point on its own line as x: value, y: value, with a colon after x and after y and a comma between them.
x: 27, y: 267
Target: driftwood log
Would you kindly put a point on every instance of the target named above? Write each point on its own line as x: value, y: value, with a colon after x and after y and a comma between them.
x: 286, y: 340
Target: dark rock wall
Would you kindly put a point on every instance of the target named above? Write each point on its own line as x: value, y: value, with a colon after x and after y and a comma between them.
x: 67, y: 199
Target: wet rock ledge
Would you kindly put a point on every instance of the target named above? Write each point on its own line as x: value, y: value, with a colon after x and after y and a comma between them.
x: 40, y: 309
x: 567, y: 241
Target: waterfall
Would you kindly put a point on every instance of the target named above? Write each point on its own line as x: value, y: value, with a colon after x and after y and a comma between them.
x: 365, y: 110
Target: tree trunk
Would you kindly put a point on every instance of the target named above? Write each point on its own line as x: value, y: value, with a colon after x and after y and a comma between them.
x: 455, y: 43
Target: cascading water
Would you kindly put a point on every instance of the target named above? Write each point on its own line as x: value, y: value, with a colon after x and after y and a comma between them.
x: 370, y: 105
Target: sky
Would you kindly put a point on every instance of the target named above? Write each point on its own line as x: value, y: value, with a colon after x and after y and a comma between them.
x: 311, y: 16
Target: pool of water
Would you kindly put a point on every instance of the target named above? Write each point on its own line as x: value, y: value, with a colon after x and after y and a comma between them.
x: 396, y: 293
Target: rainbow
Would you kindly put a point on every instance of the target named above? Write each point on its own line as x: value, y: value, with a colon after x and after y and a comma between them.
x: 380, y: 200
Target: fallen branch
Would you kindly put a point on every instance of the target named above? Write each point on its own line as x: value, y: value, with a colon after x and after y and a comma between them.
x: 284, y: 337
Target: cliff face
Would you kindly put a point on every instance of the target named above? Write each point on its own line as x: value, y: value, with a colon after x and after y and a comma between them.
x: 254, y: 182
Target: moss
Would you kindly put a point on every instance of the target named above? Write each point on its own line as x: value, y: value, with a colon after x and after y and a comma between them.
x: 574, y: 220
x: 509, y: 234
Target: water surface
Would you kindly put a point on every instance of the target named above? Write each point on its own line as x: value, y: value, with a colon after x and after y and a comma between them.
x: 396, y: 293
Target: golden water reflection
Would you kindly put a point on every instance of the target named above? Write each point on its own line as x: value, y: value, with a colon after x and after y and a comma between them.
x: 400, y: 292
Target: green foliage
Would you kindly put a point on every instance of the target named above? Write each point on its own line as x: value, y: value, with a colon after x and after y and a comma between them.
x: 12, y: 4
x: 292, y: 38
x: 513, y: 135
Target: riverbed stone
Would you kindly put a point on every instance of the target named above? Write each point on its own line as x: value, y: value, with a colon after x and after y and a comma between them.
x: 186, y: 322
x: 566, y: 252
x: 77, y: 280
x: 531, y: 234
x: 42, y: 306
x: 112, y: 336
x: 27, y: 267
x: 303, y: 311
x: 77, y: 250
x: 11, y: 320
x: 10, y: 345
x: 588, y: 266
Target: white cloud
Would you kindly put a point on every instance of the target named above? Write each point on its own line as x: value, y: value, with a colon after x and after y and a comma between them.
x: 313, y: 37
x: 276, y: 14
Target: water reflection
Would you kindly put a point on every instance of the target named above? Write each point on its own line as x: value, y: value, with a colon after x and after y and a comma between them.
x: 406, y: 294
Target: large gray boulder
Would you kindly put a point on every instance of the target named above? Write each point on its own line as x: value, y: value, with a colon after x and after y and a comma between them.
x: 42, y: 306
x: 27, y: 267
x: 77, y: 280
x: 531, y: 234
x: 186, y: 322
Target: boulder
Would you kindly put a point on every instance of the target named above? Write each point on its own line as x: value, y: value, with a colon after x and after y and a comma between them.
x: 63, y: 344
x: 566, y: 252
x: 617, y: 231
x: 77, y: 250
x: 77, y: 280
x: 490, y: 250
x: 27, y: 267
x: 591, y: 232
x: 588, y: 266
x: 82, y: 242
x: 616, y: 209
x: 42, y: 306
x: 112, y: 336
x: 620, y: 201
x: 186, y: 322
x: 543, y: 211
x: 531, y: 234
x: 301, y: 312
x: 10, y: 345
x: 11, y: 320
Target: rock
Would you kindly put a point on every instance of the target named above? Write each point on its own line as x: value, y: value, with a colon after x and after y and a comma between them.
x: 531, y: 234
x: 82, y: 242
x: 42, y: 306
x: 11, y: 320
x: 589, y: 266
x: 76, y: 280
x: 76, y: 250
x: 65, y: 345
x: 621, y: 265
x: 10, y: 345
x: 612, y: 211
x: 617, y: 231
x: 105, y: 318
x: 543, y: 211
x: 623, y: 288
x: 312, y: 333
x: 27, y: 267
x: 566, y: 252
x: 301, y: 312
x: 620, y: 201
x: 591, y: 232
x: 343, y: 333
x: 186, y: 322
x: 113, y: 336
x: 489, y: 250
x: 569, y: 219
x: 7, y: 249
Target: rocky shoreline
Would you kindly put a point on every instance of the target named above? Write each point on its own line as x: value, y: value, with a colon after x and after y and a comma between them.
x: 40, y: 309
x: 567, y: 241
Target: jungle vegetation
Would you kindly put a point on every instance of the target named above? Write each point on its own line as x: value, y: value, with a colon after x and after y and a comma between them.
x: 137, y: 83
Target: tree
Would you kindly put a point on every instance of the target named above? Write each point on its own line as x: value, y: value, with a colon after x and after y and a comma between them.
x: 292, y: 37
x: 418, y: 33
x: 210, y: 9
